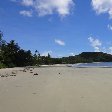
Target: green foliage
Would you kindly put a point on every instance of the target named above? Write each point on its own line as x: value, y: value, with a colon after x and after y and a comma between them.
x: 2, y: 65
x: 96, y: 56
x: 11, y: 55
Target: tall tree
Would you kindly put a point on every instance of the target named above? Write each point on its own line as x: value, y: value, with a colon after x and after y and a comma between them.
x: 9, y: 52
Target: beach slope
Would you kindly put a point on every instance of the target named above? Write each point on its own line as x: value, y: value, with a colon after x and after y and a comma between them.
x: 56, y: 89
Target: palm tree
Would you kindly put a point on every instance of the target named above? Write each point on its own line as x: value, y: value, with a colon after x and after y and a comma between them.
x: 37, y: 57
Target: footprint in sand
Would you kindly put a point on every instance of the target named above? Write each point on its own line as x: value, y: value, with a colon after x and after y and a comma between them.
x: 18, y: 86
x: 82, y: 97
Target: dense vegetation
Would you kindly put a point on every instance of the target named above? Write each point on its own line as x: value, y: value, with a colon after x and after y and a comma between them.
x: 11, y: 55
x: 88, y: 57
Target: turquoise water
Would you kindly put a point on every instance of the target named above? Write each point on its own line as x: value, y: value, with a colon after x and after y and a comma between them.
x: 100, y: 64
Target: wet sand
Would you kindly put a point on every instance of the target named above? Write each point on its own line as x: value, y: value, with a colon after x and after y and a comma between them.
x: 56, y: 89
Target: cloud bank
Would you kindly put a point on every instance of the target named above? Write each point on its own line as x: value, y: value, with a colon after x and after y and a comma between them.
x: 103, y: 6
x: 49, y: 7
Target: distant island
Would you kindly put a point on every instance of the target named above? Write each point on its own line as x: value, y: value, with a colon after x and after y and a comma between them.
x: 12, y: 55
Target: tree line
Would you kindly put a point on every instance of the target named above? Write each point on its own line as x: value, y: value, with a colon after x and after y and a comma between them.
x: 12, y: 55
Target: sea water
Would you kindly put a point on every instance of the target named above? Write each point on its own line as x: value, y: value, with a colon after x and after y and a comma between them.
x: 95, y: 64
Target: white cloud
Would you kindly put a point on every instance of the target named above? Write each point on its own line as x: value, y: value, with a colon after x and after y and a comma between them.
x: 27, y: 2
x: 60, y: 42
x: 102, y: 6
x: 45, y: 53
x: 95, y: 43
x: 98, y: 47
x: 109, y: 27
x: 26, y: 13
x: 49, y: 7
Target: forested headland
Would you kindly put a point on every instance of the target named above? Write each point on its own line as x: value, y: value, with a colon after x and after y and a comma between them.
x: 12, y: 55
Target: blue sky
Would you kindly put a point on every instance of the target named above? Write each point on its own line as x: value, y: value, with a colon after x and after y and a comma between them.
x: 60, y: 27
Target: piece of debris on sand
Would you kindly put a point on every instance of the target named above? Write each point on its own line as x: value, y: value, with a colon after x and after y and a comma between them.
x: 4, y: 75
x: 14, y: 72
x: 24, y: 70
x: 36, y: 74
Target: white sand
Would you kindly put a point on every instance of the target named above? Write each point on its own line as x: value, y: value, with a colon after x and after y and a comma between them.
x: 73, y: 90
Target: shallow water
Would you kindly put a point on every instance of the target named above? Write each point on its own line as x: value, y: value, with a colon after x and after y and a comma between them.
x: 99, y: 64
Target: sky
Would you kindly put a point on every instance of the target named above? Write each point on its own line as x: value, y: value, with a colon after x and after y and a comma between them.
x: 58, y: 27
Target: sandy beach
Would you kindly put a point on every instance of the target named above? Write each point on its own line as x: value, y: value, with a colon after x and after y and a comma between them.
x: 56, y: 89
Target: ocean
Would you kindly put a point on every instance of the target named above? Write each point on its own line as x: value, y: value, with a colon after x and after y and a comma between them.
x: 95, y: 64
